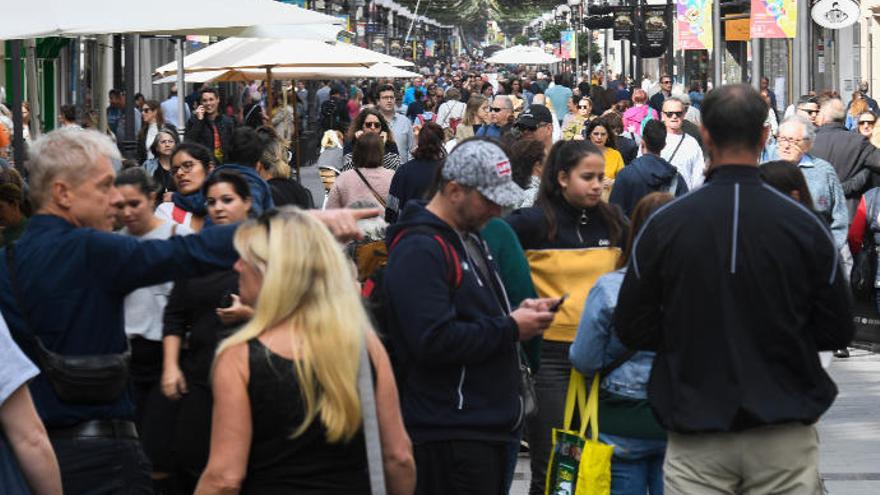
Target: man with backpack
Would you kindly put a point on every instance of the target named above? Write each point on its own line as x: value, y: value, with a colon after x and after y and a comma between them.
x: 453, y: 335
x: 647, y: 173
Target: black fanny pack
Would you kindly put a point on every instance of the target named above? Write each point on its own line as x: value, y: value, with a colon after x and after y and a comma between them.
x: 88, y: 379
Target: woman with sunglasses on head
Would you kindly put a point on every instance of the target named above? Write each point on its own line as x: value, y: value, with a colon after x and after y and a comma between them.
x: 152, y: 121
x: 371, y: 121
x: 201, y: 311
x: 574, y: 127
x: 274, y: 168
x: 159, y: 166
x: 191, y: 163
x: 287, y: 415
x: 571, y: 237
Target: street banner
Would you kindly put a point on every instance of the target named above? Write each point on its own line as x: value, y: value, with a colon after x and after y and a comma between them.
x: 694, y: 18
x: 429, y: 48
x: 656, y: 30
x: 773, y: 19
x: 568, y: 46
x: 378, y: 43
x: 395, y: 47
x: 737, y: 30
x: 624, y: 21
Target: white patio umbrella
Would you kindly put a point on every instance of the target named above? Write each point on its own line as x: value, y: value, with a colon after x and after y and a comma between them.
x: 245, y: 18
x: 378, y: 71
x: 526, y: 55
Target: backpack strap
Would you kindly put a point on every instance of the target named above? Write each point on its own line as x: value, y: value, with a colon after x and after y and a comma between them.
x: 453, y: 261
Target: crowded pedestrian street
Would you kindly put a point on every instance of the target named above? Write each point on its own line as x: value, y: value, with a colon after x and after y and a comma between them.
x: 440, y: 247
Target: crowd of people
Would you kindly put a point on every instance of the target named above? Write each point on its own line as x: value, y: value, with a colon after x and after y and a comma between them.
x: 692, y: 250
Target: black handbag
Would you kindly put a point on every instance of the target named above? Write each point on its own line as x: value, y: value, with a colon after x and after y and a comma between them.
x: 87, y: 379
x: 864, y: 269
x: 527, y: 386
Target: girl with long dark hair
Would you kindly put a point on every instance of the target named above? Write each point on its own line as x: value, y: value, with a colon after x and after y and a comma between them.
x: 371, y: 121
x: 571, y: 237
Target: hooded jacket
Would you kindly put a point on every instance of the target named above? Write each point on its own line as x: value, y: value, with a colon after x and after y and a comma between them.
x: 646, y: 174
x: 261, y: 193
x: 458, y: 369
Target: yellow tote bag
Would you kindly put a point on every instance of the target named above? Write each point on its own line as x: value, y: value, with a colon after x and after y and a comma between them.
x: 565, y: 456
x: 594, y: 472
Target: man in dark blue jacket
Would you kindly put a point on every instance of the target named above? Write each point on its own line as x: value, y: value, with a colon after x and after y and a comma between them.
x: 647, y: 173
x: 737, y: 287
x: 69, y: 281
x: 454, y: 334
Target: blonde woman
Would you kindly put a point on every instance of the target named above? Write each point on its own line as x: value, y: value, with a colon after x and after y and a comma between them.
x: 287, y: 416
x: 574, y: 127
x: 476, y: 114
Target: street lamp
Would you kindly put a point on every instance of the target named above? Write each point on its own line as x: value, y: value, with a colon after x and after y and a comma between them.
x: 577, y: 33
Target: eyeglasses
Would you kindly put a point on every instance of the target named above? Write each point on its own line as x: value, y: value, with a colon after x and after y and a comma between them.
x: 167, y: 141
x: 186, y: 166
x: 496, y: 109
x: 373, y: 125
x: 788, y: 140
x: 869, y: 122
x: 673, y: 114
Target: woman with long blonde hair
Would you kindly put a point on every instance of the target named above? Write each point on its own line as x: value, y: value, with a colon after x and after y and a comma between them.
x: 475, y: 115
x: 287, y: 415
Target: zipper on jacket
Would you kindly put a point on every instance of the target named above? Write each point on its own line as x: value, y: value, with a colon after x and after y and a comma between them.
x: 460, y: 388
x: 581, y: 222
x: 735, y: 227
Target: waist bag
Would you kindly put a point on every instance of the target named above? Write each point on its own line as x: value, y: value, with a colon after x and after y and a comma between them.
x: 86, y: 379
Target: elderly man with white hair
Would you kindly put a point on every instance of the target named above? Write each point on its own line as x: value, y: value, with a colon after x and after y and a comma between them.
x: 795, y: 139
x: 62, y: 287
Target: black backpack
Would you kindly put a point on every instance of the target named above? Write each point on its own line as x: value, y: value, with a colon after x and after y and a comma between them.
x: 376, y: 300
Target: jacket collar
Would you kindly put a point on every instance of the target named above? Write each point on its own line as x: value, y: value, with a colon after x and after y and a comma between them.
x: 729, y: 174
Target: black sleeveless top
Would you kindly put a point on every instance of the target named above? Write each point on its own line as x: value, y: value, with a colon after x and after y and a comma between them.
x: 305, y: 464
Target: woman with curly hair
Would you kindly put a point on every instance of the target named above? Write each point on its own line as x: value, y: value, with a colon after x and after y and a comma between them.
x: 371, y: 121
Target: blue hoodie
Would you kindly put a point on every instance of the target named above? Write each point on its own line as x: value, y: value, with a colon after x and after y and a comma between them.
x: 261, y: 193
x: 644, y: 175
x: 459, y: 377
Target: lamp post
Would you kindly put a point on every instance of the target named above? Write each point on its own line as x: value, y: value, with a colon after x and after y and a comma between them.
x: 577, y: 15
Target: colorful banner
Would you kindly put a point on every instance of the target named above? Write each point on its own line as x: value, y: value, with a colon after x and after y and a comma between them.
x: 773, y: 19
x: 429, y: 48
x: 694, y: 19
x: 567, y: 42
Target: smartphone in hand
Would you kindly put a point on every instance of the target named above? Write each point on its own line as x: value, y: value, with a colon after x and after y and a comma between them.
x: 558, y: 304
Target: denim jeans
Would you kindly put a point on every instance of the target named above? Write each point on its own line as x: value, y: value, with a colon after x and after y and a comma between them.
x: 551, y: 384
x: 103, y: 466
x: 640, y: 477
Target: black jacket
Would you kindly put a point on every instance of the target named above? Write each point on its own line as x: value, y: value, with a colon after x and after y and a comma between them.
x: 737, y: 287
x: 290, y: 192
x: 646, y: 174
x: 628, y: 148
x: 411, y: 181
x: 852, y: 156
x: 202, y: 132
x: 459, y: 378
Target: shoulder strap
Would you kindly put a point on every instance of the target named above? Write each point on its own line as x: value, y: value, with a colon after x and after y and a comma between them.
x: 370, y: 424
x: 626, y: 356
x: 453, y: 261
x: 683, y: 135
x: 376, y: 195
x: 674, y: 186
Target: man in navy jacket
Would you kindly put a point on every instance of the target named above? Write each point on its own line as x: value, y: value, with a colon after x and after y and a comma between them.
x: 454, y: 334
x: 71, y: 276
x: 736, y: 287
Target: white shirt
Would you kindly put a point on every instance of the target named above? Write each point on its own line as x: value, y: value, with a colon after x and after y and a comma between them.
x: 15, y: 368
x: 152, y: 131
x: 165, y: 211
x: 450, y: 110
x: 688, y: 159
x: 145, y: 307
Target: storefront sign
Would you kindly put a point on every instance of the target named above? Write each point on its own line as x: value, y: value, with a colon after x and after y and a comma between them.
x: 656, y: 30
x: 737, y: 30
x: 694, y: 18
x: 835, y: 14
x: 773, y: 19
x: 624, y: 21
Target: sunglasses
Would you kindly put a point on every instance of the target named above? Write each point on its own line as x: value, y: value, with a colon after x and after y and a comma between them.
x: 147, y: 109
x: 673, y: 114
x: 871, y: 122
x: 496, y: 109
x: 584, y: 107
x: 373, y: 125
x: 665, y: 82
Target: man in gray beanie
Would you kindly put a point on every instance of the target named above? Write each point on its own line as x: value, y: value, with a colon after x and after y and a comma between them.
x: 453, y: 335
